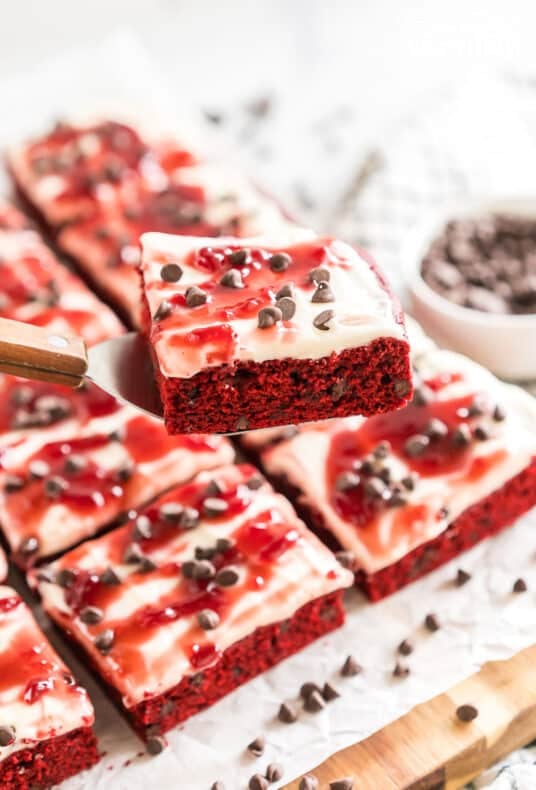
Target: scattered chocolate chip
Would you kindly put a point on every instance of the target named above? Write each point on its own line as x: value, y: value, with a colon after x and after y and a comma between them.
x: 205, y: 552
x: 55, y: 486
x: 323, y: 294
x: 189, y: 518
x: 347, y: 560
x: 466, y: 713
x: 218, y: 786
x: 520, y: 586
x: 319, y: 275
x: 257, y: 746
x: 104, y: 641
x: 170, y: 512
x: 171, y: 273
x: 400, y: 670
x: 238, y: 257
x: 155, y: 744
x: 436, y: 429
x: 431, y: 623
x: 307, y: 689
x: 416, y: 445
x: 38, y: 469
x: 258, y: 782
x: 223, y: 545
x: 279, y: 262
x: 405, y: 648
x: 227, y: 577
x: 396, y: 498
x: 91, y: 615
x: 309, y: 782
x: 499, y: 413
x: 321, y: 321
x: 117, y: 435
x: 462, y: 577
x: 350, y: 668
x: 269, y: 316
x: 110, y: 578
x: 382, y: 450
x: 287, y: 305
x: 146, y: 565
x: 132, y: 554
x: 163, y: 310
x: 74, y: 464
x: 232, y: 279
x: 195, y: 297
x: 274, y: 772
x: 254, y: 483
x: 208, y: 619
x: 346, y: 783
x: 422, y: 396
x: 214, y: 507
x: 65, y: 578
x: 347, y: 481
x: 462, y: 435
x: 204, y: 569
x: 285, y: 290
x: 481, y: 433
x: 329, y: 693
x: 13, y: 483
x: 410, y: 481
x: 7, y: 735
x: 374, y: 487
x: 188, y: 569
x: 287, y: 713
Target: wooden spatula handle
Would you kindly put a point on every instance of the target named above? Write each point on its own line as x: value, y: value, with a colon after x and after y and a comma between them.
x: 34, y: 352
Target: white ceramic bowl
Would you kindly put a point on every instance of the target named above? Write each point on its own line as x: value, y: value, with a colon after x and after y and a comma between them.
x: 506, y: 344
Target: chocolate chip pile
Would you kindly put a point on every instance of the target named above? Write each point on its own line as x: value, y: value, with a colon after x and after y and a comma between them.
x: 487, y: 264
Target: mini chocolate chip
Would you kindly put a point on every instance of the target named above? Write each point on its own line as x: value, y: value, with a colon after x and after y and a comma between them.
x: 520, y: 586
x: 374, y: 487
x: 195, y: 297
x: 466, y: 713
x: 319, y: 275
x: 110, y: 578
x: 55, y: 486
x: 232, y: 279
x: 204, y: 569
x: 142, y: 528
x: 499, y: 413
x: 321, y: 321
x: 146, y: 565
x: 38, y: 469
x: 422, y: 396
x: 347, y: 560
x: 350, y: 668
x: 257, y: 746
x: 285, y: 290
x: 287, y: 305
x: 217, y: 786
x: 346, y: 783
x: 258, y: 782
x: 431, y: 623
x: 171, y: 273
x: 462, y: 435
x: 170, y: 511
x: 214, y: 506
x: 397, y: 499
x: 255, y: 482
x: 410, y: 481
x: 189, y: 518
x: 7, y: 735
x: 481, y: 433
x: 163, y: 310
x: 117, y: 435
x: 155, y: 744
x: 214, y: 488
x: 307, y: 689
x: 223, y: 545
x: 287, y: 713
x: 132, y: 554
x: 462, y: 577
x: 238, y: 257
x: 400, y: 670
x: 329, y: 693
x: 382, y: 450
x: 323, y: 294
x: 309, y: 782
x: 205, y: 552
x: 269, y: 316
x: 13, y: 483
x: 124, y: 473
x: 227, y: 577
x: 347, y: 481
x: 279, y: 262
x: 188, y: 568
x: 274, y: 772
x: 405, y: 648
x: 21, y: 396
x: 208, y: 619
x: 416, y: 445
x: 74, y: 463
x: 436, y: 429
x: 91, y: 615
x: 104, y: 641
x: 65, y: 578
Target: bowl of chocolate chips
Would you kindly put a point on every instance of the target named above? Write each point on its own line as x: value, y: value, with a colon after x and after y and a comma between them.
x: 472, y: 283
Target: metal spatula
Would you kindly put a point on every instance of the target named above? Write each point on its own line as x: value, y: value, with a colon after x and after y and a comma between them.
x: 121, y: 366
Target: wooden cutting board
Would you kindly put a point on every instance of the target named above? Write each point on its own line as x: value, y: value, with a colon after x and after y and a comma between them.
x: 430, y: 749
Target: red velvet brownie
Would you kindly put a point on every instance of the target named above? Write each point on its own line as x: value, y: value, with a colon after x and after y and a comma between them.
x: 212, y: 584
x: 102, y: 185
x: 46, y: 718
x: 72, y: 462
x: 250, y: 334
x: 404, y: 492
x: 37, y: 289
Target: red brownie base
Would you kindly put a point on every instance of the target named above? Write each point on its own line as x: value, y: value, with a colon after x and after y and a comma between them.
x: 50, y: 762
x: 367, y: 380
x: 483, y: 519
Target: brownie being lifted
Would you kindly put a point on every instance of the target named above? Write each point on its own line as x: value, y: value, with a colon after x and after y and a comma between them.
x: 250, y: 334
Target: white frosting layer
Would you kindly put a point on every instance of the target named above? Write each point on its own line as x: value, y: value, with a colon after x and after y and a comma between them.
x: 305, y: 571
x: 363, y: 309
x: 303, y: 461
x: 58, y: 710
